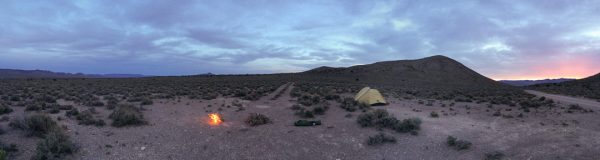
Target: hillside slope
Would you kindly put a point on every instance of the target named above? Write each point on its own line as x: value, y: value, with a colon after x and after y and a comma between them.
x: 588, y: 87
x: 431, y: 72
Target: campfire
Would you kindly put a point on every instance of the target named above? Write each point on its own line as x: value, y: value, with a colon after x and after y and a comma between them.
x: 215, y: 119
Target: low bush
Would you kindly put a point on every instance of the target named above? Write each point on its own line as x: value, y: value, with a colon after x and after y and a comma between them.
x: 86, y: 118
x: 495, y: 155
x: 296, y: 107
x: 379, y: 139
x: 55, y: 145
x: 3, y: 155
x: 382, y: 119
x: 9, y: 148
x: 458, y: 144
x: 72, y: 112
x: 5, y: 109
x: 349, y: 104
x: 256, y: 119
x: 127, y: 115
x: 320, y: 109
x: 305, y: 113
x: 146, y: 101
x: 434, y: 114
x: 35, y: 125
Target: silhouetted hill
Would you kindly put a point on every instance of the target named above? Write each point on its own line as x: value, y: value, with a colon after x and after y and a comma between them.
x: 16, y: 74
x: 532, y: 82
x: 588, y: 87
x: 435, y: 71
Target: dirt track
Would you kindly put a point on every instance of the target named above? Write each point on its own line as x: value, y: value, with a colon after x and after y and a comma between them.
x: 566, y: 99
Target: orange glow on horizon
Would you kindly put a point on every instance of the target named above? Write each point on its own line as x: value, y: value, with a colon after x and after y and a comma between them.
x: 572, y: 67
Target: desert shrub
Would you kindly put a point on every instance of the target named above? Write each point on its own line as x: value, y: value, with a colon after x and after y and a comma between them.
x: 55, y: 145
x: 495, y: 155
x: 434, y: 114
x: 408, y: 125
x: 497, y: 113
x: 305, y: 113
x: 575, y: 107
x: 33, y: 107
x: 379, y: 139
x: 296, y: 107
x: 15, y: 98
x: 365, y: 120
x: 72, y: 112
x: 86, y: 118
x: 458, y: 144
x: 127, y: 115
x: 94, y: 103
x: 146, y: 101
x: 332, y: 97
x: 112, y: 103
x: 7, y: 150
x: 255, y: 119
x: 54, y: 109
x: 530, y: 104
x: 320, y: 109
x: 5, y: 109
x: 209, y: 96
x: 35, y: 125
x: 4, y: 119
x: 349, y: 104
x: 451, y: 140
x: 382, y: 119
x: 3, y: 154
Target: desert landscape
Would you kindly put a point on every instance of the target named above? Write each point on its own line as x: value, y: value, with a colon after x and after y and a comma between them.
x: 169, y: 117
x: 300, y: 80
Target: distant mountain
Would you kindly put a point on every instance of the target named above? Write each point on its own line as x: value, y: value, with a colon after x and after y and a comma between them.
x: 532, y: 82
x: 431, y: 72
x: 588, y: 87
x: 15, y: 74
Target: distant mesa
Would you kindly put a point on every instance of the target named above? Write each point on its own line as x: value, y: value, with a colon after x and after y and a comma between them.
x: 16, y: 74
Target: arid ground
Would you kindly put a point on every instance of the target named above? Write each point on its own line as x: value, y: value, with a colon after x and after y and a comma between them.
x: 180, y: 129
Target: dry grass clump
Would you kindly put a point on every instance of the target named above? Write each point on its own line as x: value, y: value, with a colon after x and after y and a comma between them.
x: 5, y: 109
x: 55, y: 145
x: 256, y: 119
x: 380, y: 139
x: 35, y: 125
x: 127, y: 115
x: 458, y: 144
x: 380, y: 119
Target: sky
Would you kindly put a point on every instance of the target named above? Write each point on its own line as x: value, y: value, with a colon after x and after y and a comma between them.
x: 504, y: 39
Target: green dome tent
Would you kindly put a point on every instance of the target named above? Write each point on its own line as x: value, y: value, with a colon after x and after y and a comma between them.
x: 370, y: 97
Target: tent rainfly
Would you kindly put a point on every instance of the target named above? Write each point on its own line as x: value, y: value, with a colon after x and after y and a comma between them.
x: 370, y: 97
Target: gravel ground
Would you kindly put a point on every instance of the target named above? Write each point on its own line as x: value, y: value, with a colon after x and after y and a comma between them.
x: 179, y: 129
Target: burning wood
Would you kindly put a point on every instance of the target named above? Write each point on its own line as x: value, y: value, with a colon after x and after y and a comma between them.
x: 215, y: 119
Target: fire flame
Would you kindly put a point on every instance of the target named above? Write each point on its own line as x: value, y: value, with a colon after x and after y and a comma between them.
x: 215, y: 119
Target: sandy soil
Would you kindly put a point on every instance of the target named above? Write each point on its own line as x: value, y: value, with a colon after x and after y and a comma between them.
x: 179, y: 129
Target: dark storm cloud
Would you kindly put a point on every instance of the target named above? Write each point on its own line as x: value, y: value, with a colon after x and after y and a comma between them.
x: 501, y: 39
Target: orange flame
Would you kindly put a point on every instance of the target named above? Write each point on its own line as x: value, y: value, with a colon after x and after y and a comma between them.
x: 215, y: 119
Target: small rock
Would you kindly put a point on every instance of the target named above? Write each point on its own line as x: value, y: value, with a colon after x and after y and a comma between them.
x: 143, y: 148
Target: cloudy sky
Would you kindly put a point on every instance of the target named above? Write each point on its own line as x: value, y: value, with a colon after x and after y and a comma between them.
x: 501, y: 39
